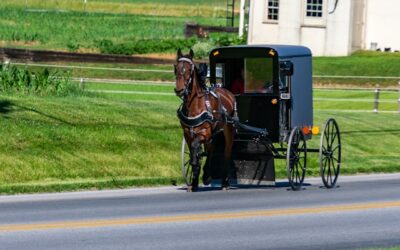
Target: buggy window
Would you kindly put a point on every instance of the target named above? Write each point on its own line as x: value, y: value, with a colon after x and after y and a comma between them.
x: 258, y: 75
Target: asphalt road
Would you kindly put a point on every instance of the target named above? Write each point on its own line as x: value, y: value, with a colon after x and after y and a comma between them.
x: 362, y: 212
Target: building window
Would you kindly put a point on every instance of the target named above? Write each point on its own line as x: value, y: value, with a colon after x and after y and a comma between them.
x: 314, y: 8
x: 273, y: 10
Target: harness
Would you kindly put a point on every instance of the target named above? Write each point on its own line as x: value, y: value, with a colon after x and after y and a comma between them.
x: 194, y: 121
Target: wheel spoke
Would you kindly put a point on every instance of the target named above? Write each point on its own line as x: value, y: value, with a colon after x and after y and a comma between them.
x: 329, y: 169
x: 333, y: 138
x: 335, y: 159
x: 333, y: 168
x: 326, y: 138
x: 326, y: 132
x: 336, y: 147
x: 303, y: 168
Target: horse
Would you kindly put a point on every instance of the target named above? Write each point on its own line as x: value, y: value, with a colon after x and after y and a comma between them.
x: 204, y: 112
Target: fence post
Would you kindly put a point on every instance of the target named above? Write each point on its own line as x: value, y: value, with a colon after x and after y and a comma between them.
x: 6, y: 62
x: 376, y: 99
x: 82, y: 83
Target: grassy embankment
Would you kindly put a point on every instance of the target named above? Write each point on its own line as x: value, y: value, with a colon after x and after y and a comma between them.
x: 361, y: 63
x: 53, y: 144
x: 133, y: 138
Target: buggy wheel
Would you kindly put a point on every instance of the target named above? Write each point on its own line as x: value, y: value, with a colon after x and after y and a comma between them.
x: 330, y: 153
x: 296, y: 159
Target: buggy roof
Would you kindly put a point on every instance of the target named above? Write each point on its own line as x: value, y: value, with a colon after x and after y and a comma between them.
x: 284, y: 51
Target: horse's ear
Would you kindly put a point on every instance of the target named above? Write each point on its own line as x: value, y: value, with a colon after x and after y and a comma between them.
x: 191, y: 53
x: 179, y: 54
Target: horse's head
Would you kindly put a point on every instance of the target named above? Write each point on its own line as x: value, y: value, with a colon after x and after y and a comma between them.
x: 184, y: 73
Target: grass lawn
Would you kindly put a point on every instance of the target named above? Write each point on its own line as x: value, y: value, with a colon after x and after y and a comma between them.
x: 205, y: 8
x: 133, y: 138
x: 361, y: 63
x: 48, y: 140
x: 73, y: 25
x: 62, y: 30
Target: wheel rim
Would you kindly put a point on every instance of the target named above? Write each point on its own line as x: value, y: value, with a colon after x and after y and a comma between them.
x: 330, y: 153
x: 187, y: 172
x: 296, y: 159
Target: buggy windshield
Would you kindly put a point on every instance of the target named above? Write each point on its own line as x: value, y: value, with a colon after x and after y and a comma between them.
x: 258, y: 75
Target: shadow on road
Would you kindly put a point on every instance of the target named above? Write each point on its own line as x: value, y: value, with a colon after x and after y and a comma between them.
x: 278, y: 185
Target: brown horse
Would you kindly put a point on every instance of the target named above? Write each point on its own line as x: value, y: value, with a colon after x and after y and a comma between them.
x: 203, y: 113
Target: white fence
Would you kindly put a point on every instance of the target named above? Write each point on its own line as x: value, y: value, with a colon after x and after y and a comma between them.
x: 375, y: 97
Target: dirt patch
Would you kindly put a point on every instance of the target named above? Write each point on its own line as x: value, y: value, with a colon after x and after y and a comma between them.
x: 159, y: 56
x: 18, y: 43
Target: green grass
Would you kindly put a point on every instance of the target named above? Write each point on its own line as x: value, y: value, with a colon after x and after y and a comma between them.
x: 100, y: 70
x: 207, y: 8
x: 362, y: 63
x: 80, y: 139
x: 119, y: 140
x: 72, y: 30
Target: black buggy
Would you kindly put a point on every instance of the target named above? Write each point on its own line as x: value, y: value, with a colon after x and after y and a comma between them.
x: 275, y: 115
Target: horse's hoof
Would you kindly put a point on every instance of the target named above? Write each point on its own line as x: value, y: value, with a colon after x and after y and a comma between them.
x: 207, y: 180
x: 225, y: 188
x: 191, y: 189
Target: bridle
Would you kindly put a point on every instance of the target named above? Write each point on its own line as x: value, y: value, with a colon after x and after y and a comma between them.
x: 188, y: 83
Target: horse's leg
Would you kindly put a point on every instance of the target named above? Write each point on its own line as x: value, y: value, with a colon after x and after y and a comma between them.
x: 207, y: 166
x: 228, y: 136
x: 195, y: 163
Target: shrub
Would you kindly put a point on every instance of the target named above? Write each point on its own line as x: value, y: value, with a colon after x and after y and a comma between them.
x: 14, y: 79
x: 203, y: 49
x: 73, y: 46
x: 144, y: 46
x: 228, y: 39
